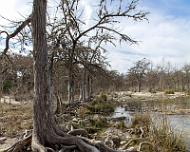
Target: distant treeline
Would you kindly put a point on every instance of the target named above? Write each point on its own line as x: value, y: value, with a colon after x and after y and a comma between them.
x: 16, y: 78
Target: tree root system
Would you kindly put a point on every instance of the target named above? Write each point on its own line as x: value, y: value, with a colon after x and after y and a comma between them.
x: 73, y: 141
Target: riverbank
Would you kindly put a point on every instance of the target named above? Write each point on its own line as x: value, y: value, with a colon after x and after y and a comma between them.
x: 102, y: 122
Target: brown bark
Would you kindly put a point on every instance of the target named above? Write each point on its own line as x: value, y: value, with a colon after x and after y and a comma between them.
x: 45, y: 131
x: 42, y: 113
x: 71, y: 91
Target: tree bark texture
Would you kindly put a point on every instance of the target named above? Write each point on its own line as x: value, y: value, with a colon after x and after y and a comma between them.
x: 42, y: 112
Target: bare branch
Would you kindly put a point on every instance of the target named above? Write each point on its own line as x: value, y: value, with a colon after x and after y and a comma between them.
x: 17, y: 30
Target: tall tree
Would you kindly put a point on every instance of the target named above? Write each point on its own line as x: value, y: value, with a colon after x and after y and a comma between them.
x: 46, y: 133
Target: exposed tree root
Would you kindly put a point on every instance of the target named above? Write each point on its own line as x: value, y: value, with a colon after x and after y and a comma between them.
x: 145, y: 143
x: 67, y: 142
x: 36, y: 146
x: 79, y: 132
x: 132, y: 140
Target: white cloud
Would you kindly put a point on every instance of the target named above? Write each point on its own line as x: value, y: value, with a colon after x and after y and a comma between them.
x: 87, y: 12
x: 163, y: 37
x: 13, y: 9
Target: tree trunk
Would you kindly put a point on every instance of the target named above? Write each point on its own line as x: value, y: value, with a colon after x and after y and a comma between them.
x: 42, y: 108
x: 45, y: 131
x: 90, y: 81
x: 89, y: 86
x: 139, y: 86
x: 71, y: 91
x: 83, y: 86
x: 58, y: 103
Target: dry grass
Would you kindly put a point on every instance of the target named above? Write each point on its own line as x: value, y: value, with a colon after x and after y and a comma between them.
x: 15, y: 118
x: 164, y: 137
x: 141, y: 120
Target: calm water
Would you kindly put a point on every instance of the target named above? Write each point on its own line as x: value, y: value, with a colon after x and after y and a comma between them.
x: 179, y: 123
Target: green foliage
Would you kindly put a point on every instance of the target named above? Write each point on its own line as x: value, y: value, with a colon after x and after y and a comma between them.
x: 7, y: 85
x: 169, y: 92
x: 101, y: 105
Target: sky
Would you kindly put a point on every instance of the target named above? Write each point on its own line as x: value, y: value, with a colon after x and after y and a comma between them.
x: 164, y: 38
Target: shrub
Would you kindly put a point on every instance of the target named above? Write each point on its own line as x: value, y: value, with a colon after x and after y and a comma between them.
x: 101, y: 105
x: 98, y: 107
x: 7, y: 85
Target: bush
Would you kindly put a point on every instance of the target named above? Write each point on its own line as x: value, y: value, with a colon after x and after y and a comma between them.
x: 169, y: 92
x: 7, y: 85
x: 103, y: 107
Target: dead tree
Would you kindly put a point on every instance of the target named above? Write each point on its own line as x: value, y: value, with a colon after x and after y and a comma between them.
x: 70, y: 33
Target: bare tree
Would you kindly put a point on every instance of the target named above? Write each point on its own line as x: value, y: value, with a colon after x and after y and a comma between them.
x: 139, y: 71
x: 70, y: 33
x: 186, y: 69
x: 45, y: 130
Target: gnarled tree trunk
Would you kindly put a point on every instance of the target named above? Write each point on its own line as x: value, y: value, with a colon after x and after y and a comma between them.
x: 45, y: 131
x: 43, y: 119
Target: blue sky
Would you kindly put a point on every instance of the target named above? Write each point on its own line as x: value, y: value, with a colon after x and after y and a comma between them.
x: 178, y: 8
x: 165, y: 38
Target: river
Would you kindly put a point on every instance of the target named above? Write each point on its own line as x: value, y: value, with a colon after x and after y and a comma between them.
x: 180, y: 123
